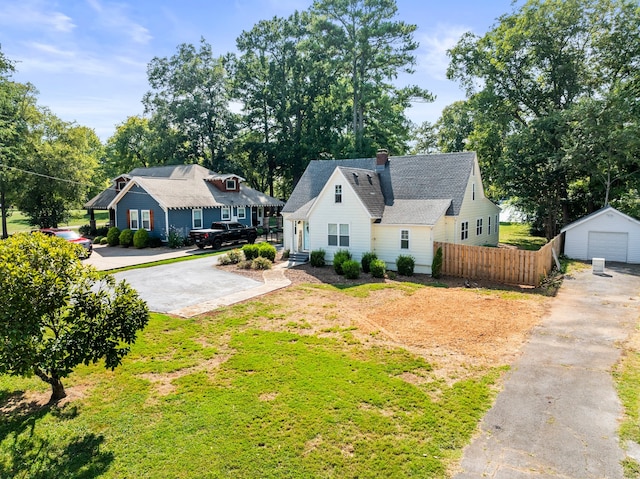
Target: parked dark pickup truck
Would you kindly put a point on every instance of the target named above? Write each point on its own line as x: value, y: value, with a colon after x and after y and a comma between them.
x: 221, y: 233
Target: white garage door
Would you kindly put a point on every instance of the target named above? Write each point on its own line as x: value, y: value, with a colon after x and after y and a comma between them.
x: 610, y: 246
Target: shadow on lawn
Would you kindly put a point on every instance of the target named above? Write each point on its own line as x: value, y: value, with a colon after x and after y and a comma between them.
x: 28, y: 452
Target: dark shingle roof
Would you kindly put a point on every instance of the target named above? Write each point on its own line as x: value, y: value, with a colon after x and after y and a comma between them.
x: 102, y: 200
x: 315, y: 177
x: 366, y: 185
x: 442, y: 177
x: 428, y: 177
x: 185, y: 186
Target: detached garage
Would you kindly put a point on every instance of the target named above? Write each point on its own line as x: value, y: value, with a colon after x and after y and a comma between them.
x: 607, y: 234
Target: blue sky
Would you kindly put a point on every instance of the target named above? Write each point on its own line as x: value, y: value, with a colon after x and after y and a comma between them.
x: 88, y: 58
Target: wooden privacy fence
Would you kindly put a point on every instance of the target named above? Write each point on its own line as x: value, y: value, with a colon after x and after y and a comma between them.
x: 511, y: 266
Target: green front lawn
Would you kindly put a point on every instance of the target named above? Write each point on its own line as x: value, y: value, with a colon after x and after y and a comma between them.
x: 228, y: 395
x: 17, y: 222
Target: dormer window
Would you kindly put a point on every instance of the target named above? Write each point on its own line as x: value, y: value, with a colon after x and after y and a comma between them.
x: 338, y: 193
x: 230, y: 184
x: 121, y: 184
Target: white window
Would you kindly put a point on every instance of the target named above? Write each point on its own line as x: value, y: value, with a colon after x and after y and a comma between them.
x: 473, y: 191
x: 197, y: 218
x: 479, y: 227
x: 231, y: 184
x: 404, y: 239
x: 146, y: 220
x: 338, y: 234
x: 242, y: 212
x: 225, y: 215
x: 133, y: 220
x: 338, y: 193
x: 464, y: 230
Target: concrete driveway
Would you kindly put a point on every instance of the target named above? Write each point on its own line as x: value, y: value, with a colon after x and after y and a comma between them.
x: 171, y: 288
x: 558, y: 413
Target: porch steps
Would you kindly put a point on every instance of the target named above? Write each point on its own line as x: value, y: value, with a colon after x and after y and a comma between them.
x: 298, y: 257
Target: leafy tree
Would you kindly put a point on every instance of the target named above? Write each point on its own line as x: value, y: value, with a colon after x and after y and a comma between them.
x: 368, y: 49
x: 62, y: 164
x: 189, y: 103
x: 426, y: 137
x: 530, y: 78
x: 58, y: 313
x: 133, y: 145
x: 16, y: 103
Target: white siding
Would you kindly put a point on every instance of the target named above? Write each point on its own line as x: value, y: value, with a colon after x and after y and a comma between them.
x: 472, y: 210
x: 350, y: 211
x: 577, y: 238
x: 386, y: 245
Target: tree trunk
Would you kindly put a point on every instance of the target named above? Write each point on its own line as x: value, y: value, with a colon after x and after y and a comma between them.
x: 3, y: 207
x: 57, y: 391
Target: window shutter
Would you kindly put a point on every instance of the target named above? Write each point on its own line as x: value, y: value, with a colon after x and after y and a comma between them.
x: 128, y: 219
x: 150, y: 220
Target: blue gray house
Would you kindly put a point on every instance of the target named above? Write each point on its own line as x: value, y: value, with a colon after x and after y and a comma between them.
x: 180, y: 197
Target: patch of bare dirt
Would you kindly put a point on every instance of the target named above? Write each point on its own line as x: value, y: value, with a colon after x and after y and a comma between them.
x: 454, y: 326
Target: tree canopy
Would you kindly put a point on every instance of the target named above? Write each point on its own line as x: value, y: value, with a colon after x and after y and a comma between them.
x: 553, y: 100
x: 58, y: 313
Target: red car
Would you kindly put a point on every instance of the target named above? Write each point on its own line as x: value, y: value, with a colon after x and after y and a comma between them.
x: 72, y: 237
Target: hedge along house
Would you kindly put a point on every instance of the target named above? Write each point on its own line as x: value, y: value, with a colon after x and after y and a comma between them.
x: 180, y: 197
x: 390, y: 206
x: 606, y: 233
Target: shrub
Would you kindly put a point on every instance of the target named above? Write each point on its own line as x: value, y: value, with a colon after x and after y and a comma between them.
x: 261, y: 263
x: 285, y: 254
x: 141, y: 239
x: 351, y: 269
x: 378, y: 268
x: 232, y: 257
x: 340, y: 257
x: 246, y: 264
x: 113, y: 236
x: 154, y: 242
x: 251, y: 251
x: 267, y: 250
x: 104, y: 240
x: 317, y: 258
x: 405, y: 265
x: 126, y: 238
x: 436, y: 264
x: 367, y: 258
x: 175, y: 239
x: 85, y: 230
x: 97, y: 239
x: 102, y: 231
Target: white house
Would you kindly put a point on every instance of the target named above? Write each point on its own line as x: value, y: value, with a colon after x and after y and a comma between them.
x: 606, y: 233
x: 390, y: 206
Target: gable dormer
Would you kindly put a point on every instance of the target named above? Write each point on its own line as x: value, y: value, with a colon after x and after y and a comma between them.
x: 227, y: 183
x: 121, y: 181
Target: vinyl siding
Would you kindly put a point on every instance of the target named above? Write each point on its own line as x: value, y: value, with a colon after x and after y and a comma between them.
x: 386, y: 245
x: 350, y: 211
x: 470, y: 211
x: 138, y: 199
x: 576, y: 240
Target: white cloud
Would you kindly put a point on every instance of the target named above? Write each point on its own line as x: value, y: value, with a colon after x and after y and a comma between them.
x: 35, y: 15
x: 432, y: 54
x: 115, y: 18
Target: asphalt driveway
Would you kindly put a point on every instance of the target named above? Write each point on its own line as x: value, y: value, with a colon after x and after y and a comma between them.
x: 172, y: 287
x: 558, y: 413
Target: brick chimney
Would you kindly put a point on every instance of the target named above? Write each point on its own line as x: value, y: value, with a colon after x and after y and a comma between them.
x: 382, y: 158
